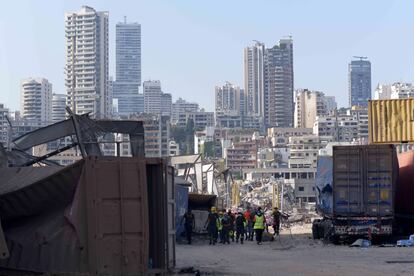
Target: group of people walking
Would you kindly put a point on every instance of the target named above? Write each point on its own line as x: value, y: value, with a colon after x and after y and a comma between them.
x: 224, y: 226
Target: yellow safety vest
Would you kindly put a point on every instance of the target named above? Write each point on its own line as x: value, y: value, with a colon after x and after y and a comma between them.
x: 219, y: 224
x: 259, y: 222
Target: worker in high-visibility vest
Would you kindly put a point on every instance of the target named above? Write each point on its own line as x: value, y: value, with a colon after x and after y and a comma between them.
x: 259, y: 225
x: 220, y: 226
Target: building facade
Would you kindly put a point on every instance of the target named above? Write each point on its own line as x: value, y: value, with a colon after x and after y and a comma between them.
x: 402, y: 91
x: 254, y: 78
x: 345, y: 125
x: 152, y: 97
x: 4, y: 125
x: 87, y: 62
x: 36, y: 99
x: 181, y: 106
x: 242, y: 155
x: 308, y: 105
x: 279, y: 136
x: 228, y: 100
x: 128, y: 68
x: 304, y: 151
x: 157, y: 135
x: 279, y: 108
x: 166, y: 104
x: 58, y: 107
x: 359, y: 74
x: 382, y: 92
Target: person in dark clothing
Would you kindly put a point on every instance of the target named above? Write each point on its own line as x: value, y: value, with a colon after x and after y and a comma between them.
x: 240, y: 225
x: 259, y: 225
x: 276, y: 220
x: 251, y: 221
x: 226, y: 223
x: 189, y: 224
x: 232, y: 222
x: 212, y: 225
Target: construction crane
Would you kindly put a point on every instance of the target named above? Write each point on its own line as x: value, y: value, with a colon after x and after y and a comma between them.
x: 360, y: 58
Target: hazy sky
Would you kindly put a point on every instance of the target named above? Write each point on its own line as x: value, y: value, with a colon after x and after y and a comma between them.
x: 191, y: 46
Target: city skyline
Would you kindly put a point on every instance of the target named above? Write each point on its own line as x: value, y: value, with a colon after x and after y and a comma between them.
x: 320, y: 63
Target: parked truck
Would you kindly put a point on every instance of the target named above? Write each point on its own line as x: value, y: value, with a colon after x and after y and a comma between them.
x: 355, y: 192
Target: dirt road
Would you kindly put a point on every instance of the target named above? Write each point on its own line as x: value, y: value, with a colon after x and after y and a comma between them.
x: 295, y: 255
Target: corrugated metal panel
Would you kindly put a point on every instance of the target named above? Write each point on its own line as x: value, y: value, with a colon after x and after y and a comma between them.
x: 348, y: 181
x: 364, y: 180
x: 379, y: 193
x: 391, y: 121
x: 117, y: 216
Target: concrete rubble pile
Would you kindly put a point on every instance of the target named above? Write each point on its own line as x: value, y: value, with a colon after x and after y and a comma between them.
x: 264, y: 193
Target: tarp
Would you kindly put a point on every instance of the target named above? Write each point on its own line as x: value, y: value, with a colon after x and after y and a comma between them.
x: 324, y: 181
x: 181, y: 204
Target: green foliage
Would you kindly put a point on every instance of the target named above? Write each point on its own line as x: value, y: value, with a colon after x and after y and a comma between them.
x: 184, y: 136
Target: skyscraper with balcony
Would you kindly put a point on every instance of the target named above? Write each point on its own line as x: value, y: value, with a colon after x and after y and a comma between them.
x: 254, y: 79
x: 278, y: 90
x: 87, y: 62
x: 128, y: 68
x: 36, y: 99
x: 359, y: 75
x: 268, y: 83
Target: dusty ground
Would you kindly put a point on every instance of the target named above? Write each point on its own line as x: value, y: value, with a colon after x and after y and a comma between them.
x: 295, y: 254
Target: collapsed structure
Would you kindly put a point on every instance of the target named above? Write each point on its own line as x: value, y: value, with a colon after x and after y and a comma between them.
x: 100, y: 215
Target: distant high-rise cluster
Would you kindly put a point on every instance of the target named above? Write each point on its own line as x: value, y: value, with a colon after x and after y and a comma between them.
x: 268, y: 80
x: 87, y: 62
x: 359, y: 82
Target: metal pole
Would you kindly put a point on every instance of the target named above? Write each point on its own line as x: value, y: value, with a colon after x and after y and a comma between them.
x: 281, y: 199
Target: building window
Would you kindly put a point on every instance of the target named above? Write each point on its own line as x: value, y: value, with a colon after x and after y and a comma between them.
x: 301, y: 189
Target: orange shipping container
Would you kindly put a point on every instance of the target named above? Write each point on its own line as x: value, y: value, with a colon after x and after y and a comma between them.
x: 391, y: 121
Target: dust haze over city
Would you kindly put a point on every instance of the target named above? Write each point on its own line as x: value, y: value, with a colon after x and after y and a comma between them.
x: 206, y: 138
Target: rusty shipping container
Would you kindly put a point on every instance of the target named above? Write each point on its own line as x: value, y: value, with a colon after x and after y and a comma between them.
x: 100, y: 216
x: 391, y: 121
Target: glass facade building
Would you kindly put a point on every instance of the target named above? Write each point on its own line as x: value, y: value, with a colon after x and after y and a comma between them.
x: 128, y: 69
x: 359, y: 73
